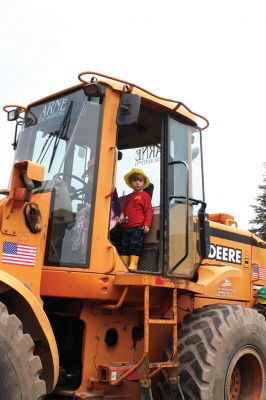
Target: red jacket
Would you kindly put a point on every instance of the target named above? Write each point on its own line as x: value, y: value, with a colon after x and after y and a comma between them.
x: 137, y: 210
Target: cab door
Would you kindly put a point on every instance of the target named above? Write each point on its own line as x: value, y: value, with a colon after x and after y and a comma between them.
x: 185, y: 195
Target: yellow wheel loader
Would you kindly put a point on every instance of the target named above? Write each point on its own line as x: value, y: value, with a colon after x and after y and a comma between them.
x: 75, y: 321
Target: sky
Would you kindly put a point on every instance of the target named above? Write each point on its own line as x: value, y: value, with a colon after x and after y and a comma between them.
x: 209, y: 54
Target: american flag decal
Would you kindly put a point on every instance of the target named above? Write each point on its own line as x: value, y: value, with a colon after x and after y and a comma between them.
x: 262, y: 274
x: 255, y: 272
x: 20, y: 254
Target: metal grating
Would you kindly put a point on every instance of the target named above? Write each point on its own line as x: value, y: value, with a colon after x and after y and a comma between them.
x: 149, y: 261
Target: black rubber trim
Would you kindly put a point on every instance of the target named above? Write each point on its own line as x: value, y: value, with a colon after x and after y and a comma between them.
x: 235, y: 237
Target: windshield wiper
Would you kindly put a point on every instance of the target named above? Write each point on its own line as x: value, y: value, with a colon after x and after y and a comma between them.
x: 46, y: 146
x: 61, y: 133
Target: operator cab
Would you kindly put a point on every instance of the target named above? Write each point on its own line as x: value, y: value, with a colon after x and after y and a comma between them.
x: 64, y: 132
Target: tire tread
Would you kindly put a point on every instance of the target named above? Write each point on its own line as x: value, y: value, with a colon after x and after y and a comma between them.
x: 23, y: 345
x: 201, y: 335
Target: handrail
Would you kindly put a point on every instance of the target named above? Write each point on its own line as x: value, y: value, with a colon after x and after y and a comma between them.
x: 118, y: 304
x: 110, y: 270
x: 132, y: 85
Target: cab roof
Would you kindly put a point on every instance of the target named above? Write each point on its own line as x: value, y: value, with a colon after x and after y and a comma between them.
x: 175, y: 106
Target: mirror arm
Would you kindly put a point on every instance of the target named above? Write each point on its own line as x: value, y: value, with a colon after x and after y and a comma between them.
x: 15, y: 143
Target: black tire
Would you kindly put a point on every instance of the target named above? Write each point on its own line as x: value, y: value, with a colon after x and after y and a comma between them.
x: 222, y: 354
x: 19, y: 367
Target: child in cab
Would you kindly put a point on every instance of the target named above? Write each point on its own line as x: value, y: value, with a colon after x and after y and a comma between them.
x: 135, y: 218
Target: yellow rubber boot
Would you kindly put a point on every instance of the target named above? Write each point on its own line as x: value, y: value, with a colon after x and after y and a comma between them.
x: 133, y: 263
x: 125, y: 260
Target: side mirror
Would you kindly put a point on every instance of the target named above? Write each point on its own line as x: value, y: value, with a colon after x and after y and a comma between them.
x: 13, y: 115
x: 128, y: 111
x: 204, y: 232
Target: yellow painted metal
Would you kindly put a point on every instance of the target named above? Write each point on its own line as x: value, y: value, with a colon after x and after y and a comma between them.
x: 214, y: 278
x: 175, y: 319
x: 210, y: 275
x: 150, y: 280
x: 14, y: 229
x: 146, y: 318
x: 149, y: 321
x: 162, y: 321
x: 35, y: 171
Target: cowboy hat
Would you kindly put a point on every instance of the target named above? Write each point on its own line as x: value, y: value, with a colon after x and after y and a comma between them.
x: 136, y: 171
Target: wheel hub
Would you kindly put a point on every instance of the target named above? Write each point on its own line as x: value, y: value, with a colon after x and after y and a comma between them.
x: 245, y: 375
x: 235, y: 384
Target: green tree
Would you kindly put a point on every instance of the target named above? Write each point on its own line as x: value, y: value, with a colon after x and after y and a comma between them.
x: 258, y: 224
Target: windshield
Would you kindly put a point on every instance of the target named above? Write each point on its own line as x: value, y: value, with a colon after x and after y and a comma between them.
x: 62, y: 134
x: 47, y: 130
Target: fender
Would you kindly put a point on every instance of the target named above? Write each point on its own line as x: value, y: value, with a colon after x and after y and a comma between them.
x: 210, y: 275
x: 28, y: 308
x: 222, y: 282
